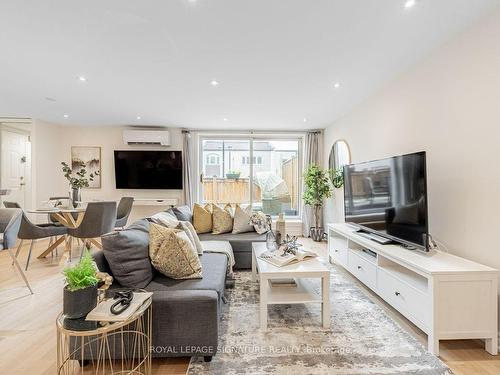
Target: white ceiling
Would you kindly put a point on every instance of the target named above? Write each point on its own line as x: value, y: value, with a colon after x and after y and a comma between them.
x: 276, y: 61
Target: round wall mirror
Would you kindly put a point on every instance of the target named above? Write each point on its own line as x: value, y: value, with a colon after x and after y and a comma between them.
x: 340, y: 155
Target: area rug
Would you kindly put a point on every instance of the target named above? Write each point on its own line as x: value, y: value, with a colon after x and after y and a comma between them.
x: 363, y: 339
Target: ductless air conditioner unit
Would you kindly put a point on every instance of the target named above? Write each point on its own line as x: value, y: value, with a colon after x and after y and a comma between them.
x: 147, y: 137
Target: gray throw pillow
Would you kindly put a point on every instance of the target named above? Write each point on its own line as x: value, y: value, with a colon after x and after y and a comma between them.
x: 183, y: 213
x: 127, y: 253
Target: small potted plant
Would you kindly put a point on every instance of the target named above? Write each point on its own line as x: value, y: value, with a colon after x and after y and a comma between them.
x: 77, y: 181
x: 80, y: 292
x: 317, y: 188
x: 234, y: 175
x: 337, y: 177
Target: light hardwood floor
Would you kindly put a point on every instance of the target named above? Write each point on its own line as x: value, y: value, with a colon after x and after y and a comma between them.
x: 27, y: 323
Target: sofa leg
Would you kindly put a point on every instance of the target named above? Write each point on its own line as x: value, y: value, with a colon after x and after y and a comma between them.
x: 207, y: 358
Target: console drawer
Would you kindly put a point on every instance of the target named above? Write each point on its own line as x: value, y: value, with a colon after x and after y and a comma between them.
x: 412, y: 303
x: 338, y: 251
x: 364, y: 270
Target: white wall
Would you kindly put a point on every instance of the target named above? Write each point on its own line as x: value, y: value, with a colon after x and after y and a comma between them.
x: 449, y: 106
x: 53, y: 145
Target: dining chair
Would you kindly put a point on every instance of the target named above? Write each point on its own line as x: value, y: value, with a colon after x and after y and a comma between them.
x: 99, y: 219
x: 123, y: 211
x: 10, y: 222
x: 32, y: 232
x: 11, y: 204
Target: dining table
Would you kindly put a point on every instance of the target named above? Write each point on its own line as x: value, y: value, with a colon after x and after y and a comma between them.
x: 70, y: 218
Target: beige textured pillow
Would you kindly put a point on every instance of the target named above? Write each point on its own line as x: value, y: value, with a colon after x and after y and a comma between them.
x: 166, y: 219
x: 187, y: 227
x: 202, y: 218
x: 242, y: 218
x: 222, y: 220
x: 172, y: 253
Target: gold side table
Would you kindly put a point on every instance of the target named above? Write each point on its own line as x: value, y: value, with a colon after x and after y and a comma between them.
x: 106, y: 348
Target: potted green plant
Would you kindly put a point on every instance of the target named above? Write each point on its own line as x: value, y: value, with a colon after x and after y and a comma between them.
x: 77, y: 181
x: 233, y: 174
x: 337, y: 177
x: 80, y: 292
x: 317, y: 187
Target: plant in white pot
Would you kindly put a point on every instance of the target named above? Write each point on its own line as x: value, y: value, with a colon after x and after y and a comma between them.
x: 80, y: 292
x: 77, y: 181
x: 317, y: 187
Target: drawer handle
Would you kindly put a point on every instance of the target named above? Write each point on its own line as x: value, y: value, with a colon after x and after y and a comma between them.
x: 397, y: 293
x: 360, y: 268
x: 336, y: 251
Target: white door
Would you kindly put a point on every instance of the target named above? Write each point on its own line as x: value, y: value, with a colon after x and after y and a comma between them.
x: 14, y: 166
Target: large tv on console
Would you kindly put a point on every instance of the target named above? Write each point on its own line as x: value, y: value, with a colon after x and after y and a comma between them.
x: 148, y: 169
x: 388, y: 198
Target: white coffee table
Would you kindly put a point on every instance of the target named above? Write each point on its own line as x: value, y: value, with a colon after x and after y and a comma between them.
x: 302, y: 293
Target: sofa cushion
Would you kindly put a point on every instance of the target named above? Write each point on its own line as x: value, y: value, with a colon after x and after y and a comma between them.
x: 172, y: 253
x: 242, y: 218
x: 202, y: 218
x: 239, y: 242
x: 187, y: 227
x: 127, y: 254
x: 214, y: 267
x: 183, y: 213
x: 165, y: 218
x: 222, y: 219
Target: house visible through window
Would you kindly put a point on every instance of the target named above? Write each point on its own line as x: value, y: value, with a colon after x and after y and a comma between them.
x: 260, y: 172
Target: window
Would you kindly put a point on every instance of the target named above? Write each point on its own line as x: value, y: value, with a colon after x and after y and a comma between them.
x: 260, y: 172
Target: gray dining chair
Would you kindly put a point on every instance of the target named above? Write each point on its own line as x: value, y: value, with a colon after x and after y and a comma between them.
x: 123, y: 211
x: 11, y: 204
x: 10, y: 222
x: 99, y: 219
x: 32, y: 232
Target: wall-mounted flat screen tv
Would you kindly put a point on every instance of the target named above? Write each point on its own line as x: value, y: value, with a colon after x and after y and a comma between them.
x: 388, y: 197
x: 148, y: 169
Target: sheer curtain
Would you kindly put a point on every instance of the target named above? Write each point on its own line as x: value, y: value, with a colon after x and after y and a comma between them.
x: 187, y: 166
x: 312, y: 155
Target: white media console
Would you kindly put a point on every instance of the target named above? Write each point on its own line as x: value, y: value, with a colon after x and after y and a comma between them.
x: 446, y: 296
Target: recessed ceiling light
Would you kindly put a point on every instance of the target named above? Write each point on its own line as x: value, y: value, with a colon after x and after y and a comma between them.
x: 65, y: 116
x: 138, y: 117
x: 305, y: 120
x: 410, y: 4
x: 336, y: 85
x: 224, y: 119
x: 214, y: 83
x: 82, y: 79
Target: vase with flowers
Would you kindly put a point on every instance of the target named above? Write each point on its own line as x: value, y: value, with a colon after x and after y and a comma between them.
x: 77, y: 180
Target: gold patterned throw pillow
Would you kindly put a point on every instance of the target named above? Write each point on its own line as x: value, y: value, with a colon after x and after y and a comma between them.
x: 202, y: 218
x: 222, y: 220
x: 172, y: 253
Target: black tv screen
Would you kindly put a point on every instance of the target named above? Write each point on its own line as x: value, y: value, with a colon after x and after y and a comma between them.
x: 389, y: 197
x: 148, y: 169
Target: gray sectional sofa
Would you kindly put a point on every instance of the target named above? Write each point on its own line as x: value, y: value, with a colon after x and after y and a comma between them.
x: 241, y: 242
x: 186, y: 313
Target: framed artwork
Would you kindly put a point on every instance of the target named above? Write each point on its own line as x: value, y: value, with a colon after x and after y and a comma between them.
x: 90, y: 158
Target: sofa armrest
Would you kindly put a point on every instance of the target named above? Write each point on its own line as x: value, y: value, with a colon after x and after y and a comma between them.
x: 185, y: 323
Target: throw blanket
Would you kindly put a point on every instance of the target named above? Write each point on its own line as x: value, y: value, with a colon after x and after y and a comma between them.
x: 223, y: 247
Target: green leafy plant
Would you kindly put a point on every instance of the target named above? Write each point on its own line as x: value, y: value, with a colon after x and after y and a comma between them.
x: 78, y: 179
x: 83, y: 275
x: 317, y: 188
x: 337, y: 177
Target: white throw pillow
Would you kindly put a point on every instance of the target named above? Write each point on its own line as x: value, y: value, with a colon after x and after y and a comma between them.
x: 241, y: 222
x: 193, y: 236
x: 166, y: 219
